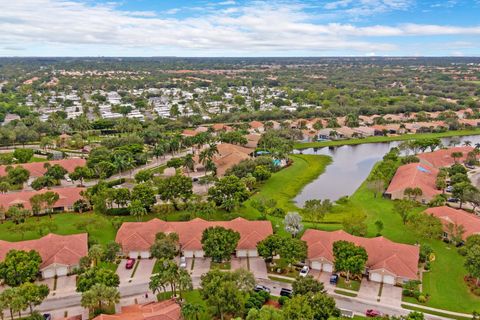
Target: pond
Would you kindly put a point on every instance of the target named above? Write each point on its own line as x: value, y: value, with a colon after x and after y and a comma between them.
x: 349, y: 168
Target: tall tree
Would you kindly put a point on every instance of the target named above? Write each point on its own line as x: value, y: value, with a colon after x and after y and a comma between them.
x: 219, y: 243
x: 349, y: 258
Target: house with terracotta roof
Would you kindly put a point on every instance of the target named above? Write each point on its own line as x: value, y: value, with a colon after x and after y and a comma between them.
x: 221, y: 127
x: 256, y: 126
x: 253, y: 139
x: 60, y: 254
x: 443, y: 157
x: 388, y: 262
x: 136, y: 238
x: 451, y: 217
x: 162, y: 310
x: 228, y: 155
x: 414, y: 175
x: 67, y: 197
x: 37, y: 169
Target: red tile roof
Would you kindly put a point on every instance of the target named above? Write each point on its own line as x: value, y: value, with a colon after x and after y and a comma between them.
x: 54, y: 249
x: 443, y: 157
x: 67, y: 197
x: 163, y: 310
x: 37, y: 169
x: 470, y: 222
x: 256, y: 125
x: 397, y: 258
x: 139, y: 236
x: 414, y: 175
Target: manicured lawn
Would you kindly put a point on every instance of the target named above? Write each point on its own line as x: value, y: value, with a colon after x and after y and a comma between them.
x: 279, y: 279
x: 192, y: 297
x: 386, y: 139
x: 220, y: 265
x: 353, y: 285
x: 345, y: 293
x: 108, y: 265
x: 445, y: 315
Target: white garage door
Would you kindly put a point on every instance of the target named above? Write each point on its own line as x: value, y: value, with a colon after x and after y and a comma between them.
x: 145, y: 254
x: 198, y: 253
x: 48, y: 273
x: 241, y: 253
x: 388, y: 279
x: 327, y: 267
x: 377, y: 277
x: 188, y: 254
x: 253, y: 253
x: 316, y: 265
x: 133, y: 254
x: 62, y: 271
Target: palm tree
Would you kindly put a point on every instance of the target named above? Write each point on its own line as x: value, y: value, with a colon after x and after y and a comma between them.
x: 192, y: 311
x: 99, y: 296
x: 50, y: 199
x: 189, y: 163
x: 467, y: 143
x: 184, y: 281
x: 95, y: 253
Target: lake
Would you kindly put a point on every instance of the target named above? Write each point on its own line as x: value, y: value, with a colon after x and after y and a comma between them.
x: 349, y: 168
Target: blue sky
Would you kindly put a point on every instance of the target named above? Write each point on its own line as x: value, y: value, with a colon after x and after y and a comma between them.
x: 239, y: 28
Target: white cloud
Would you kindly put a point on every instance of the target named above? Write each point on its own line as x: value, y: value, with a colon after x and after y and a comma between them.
x: 255, y: 29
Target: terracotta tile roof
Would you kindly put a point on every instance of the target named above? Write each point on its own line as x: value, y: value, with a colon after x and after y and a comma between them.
x: 36, y: 169
x: 220, y: 127
x: 470, y: 222
x: 415, y: 175
x: 189, y: 133
x: 67, y: 197
x: 397, y: 258
x: 54, y: 249
x: 139, y: 236
x: 163, y: 310
x: 228, y: 155
x: 256, y: 125
x: 443, y: 157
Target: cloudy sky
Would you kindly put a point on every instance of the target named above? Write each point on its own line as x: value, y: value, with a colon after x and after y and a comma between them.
x: 239, y: 28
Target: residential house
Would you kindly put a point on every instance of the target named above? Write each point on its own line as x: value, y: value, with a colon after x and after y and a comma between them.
x: 388, y: 262
x: 451, y: 217
x: 228, y: 155
x: 414, y: 175
x: 162, y: 310
x: 136, y: 238
x: 67, y: 197
x: 256, y: 126
x: 60, y: 254
x: 253, y: 139
x: 443, y: 157
x: 37, y: 169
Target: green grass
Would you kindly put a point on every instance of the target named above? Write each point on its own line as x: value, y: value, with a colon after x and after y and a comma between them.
x: 108, y: 265
x: 376, y: 139
x: 135, y: 268
x: 345, y: 293
x: 220, y: 265
x: 353, y: 285
x: 279, y: 279
x: 192, y: 297
x: 435, y: 313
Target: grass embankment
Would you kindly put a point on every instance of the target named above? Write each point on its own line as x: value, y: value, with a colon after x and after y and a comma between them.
x: 353, y: 285
x: 435, y: 313
x: 377, y: 139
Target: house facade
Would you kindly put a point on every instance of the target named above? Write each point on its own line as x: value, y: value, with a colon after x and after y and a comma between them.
x: 60, y: 254
x: 453, y: 218
x: 388, y: 262
x: 136, y: 238
x: 66, y: 200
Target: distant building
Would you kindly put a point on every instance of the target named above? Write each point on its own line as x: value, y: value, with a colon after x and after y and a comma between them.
x: 456, y: 217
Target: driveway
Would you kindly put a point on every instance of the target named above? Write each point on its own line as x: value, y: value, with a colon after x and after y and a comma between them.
x: 391, y: 295
x: 123, y: 273
x: 325, y: 278
x: 200, y: 266
x: 258, y: 268
x: 239, y: 263
x: 66, y: 285
x: 144, y: 269
x: 369, y: 290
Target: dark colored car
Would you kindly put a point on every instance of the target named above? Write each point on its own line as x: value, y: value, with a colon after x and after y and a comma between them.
x: 286, y: 292
x: 452, y: 200
x: 334, y: 279
x: 259, y: 288
x: 130, y: 263
x: 373, y: 313
x: 47, y: 316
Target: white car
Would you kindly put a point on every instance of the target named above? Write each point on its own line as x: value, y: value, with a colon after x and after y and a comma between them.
x: 304, y: 271
x: 183, y: 262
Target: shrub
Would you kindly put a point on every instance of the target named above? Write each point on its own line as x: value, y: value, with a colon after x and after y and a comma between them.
x: 282, y: 300
x: 115, y: 182
x: 422, y: 299
x: 118, y: 212
x: 278, y: 212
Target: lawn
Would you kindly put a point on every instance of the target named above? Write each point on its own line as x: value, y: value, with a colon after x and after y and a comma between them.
x: 375, y: 139
x: 353, y: 285
x: 192, y: 297
x: 220, y: 265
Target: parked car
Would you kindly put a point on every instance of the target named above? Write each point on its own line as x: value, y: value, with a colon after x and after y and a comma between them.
x: 373, y: 313
x: 449, y: 189
x: 183, y: 262
x: 304, y: 271
x: 284, y: 292
x: 68, y: 179
x: 334, y: 279
x: 469, y: 166
x: 130, y: 263
x: 47, y: 316
x: 259, y: 288
x: 452, y: 200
